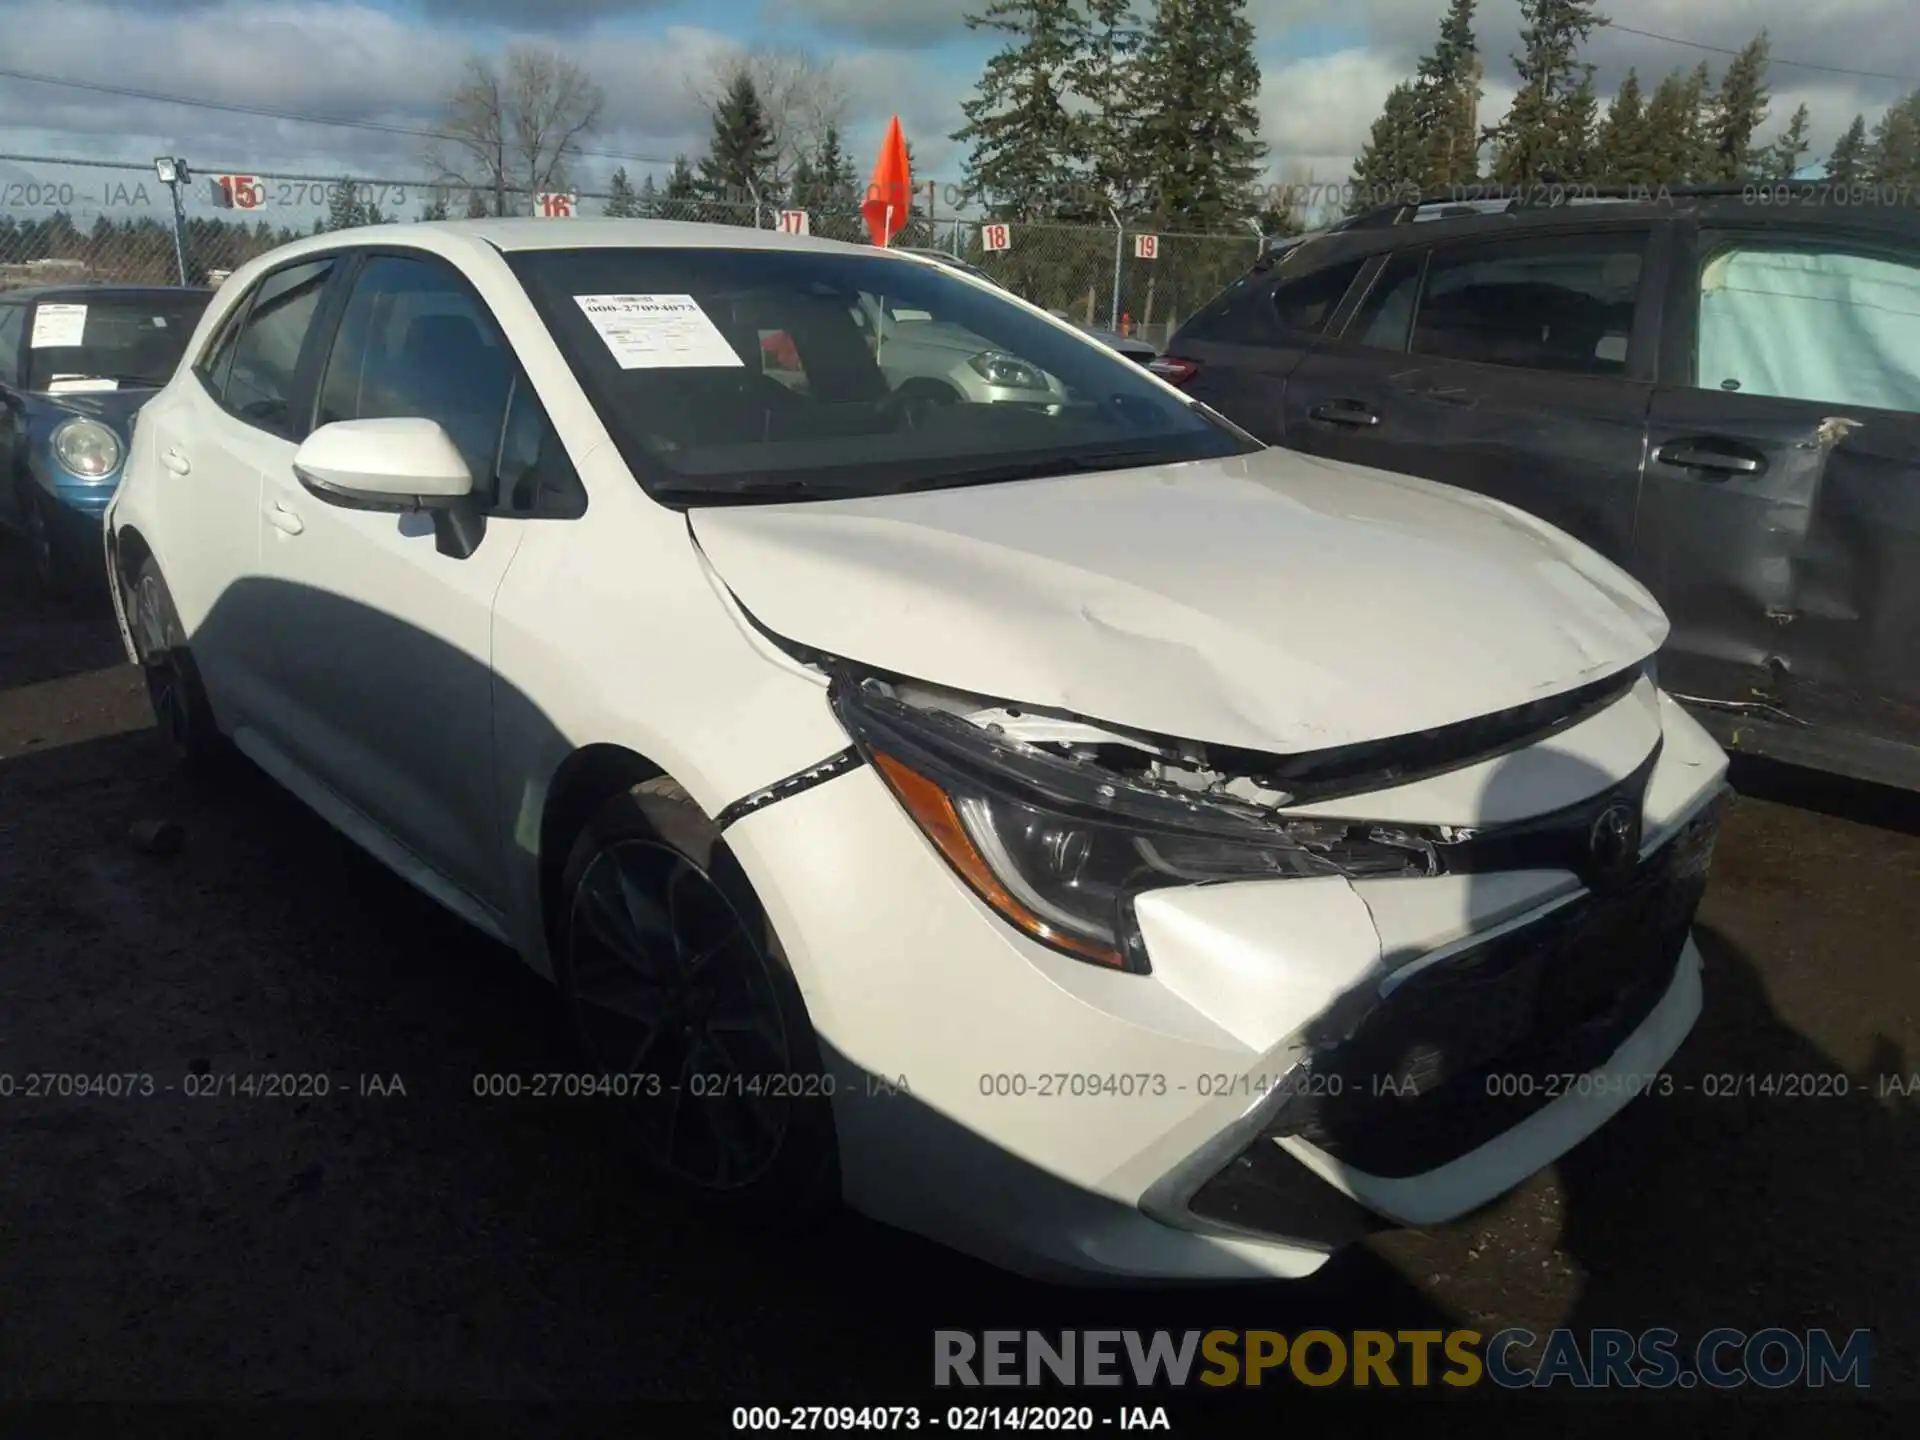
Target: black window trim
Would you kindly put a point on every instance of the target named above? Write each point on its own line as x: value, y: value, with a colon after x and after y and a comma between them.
x: 333, y: 312
x: 19, y: 356
x: 235, y: 321
x: 1363, y: 295
x: 1277, y: 282
x: 1703, y: 238
x: 1644, y: 343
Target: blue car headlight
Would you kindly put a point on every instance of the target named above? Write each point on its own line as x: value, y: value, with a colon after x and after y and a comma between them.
x: 86, y: 448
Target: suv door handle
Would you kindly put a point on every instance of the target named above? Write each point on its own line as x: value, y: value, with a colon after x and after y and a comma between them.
x: 175, y: 461
x: 1343, y: 412
x: 284, y: 520
x: 1719, y: 459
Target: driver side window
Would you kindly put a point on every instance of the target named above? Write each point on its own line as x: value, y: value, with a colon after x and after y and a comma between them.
x: 415, y: 342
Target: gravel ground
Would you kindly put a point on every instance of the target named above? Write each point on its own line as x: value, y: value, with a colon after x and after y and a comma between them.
x: 434, y: 1245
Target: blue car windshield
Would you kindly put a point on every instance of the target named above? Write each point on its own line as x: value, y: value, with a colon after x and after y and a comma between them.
x: 85, y: 340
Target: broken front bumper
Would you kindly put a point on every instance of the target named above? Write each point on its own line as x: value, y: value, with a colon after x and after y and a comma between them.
x: 1064, y: 1120
x: 1468, y: 1049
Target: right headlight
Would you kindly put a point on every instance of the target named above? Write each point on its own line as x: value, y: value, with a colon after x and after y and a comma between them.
x: 1059, y: 847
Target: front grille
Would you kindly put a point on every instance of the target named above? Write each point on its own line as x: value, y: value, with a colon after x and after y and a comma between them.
x: 1421, y: 1079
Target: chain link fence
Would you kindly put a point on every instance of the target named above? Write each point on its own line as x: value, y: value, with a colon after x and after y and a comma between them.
x: 70, y: 221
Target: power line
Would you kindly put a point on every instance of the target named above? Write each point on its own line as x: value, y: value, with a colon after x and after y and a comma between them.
x: 127, y: 92
x: 1771, y: 59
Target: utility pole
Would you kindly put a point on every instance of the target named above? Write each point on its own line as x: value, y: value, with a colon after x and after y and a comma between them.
x: 173, y: 173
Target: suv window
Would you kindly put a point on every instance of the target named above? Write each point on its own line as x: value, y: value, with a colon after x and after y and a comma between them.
x: 1247, y: 311
x: 1810, y: 322
x: 267, y: 346
x: 415, y: 341
x: 1307, y: 303
x: 1385, y: 318
x: 1551, y: 303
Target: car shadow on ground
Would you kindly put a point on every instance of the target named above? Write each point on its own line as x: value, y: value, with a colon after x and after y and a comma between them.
x: 45, y: 637
x: 404, y: 1235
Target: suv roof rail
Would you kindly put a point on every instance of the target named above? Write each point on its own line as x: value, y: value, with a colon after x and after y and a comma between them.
x: 1491, y: 198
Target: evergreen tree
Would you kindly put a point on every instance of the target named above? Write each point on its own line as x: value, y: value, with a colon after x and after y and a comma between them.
x: 1575, y: 128
x: 1674, y: 143
x: 1392, y: 161
x: 1105, y: 77
x: 647, y: 202
x: 1788, y: 153
x: 1894, y: 158
x: 344, y: 210
x: 824, y: 177
x: 1547, y: 130
x: 1200, y: 122
x: 1021, y: 138
x: 476, y: 205
x: 739, y: 161
x: 1624, y: 148
x: 1700, y: 91
x: 1735, y: 115
x: 1847, y: 162
x: 682, y: 184
x: 622, y: 203
x: 1447, y: 85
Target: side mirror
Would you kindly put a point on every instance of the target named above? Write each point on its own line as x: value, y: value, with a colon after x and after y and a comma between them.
x: 400, y: 465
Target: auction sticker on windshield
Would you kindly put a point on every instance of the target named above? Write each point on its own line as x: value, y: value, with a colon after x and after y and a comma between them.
x: 658, y: 332
x: 58, y: 325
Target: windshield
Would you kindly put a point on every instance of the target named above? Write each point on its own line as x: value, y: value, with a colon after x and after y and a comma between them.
x: 121, y: 342
x: 742, y: 375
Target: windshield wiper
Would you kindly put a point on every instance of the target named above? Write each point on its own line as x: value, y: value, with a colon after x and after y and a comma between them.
x: 142, y: 382
x: 720, y: 489
x: 1042, y: 468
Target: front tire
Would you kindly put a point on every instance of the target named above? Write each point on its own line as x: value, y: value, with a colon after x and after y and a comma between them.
x: 181, y: 710
x: 53, y: 561
x: 679, y: 992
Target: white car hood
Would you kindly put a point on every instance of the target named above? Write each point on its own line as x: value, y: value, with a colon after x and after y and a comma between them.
x: 1274, y: 601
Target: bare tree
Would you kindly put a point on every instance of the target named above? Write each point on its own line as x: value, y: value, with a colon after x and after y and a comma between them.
x: 512, y: 128
x: 801, y: 94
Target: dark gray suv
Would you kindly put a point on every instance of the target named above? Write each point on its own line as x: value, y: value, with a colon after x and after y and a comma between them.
x: 1720, y: 390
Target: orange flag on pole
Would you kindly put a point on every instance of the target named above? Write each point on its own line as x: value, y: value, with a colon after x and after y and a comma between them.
x: 890, y: 192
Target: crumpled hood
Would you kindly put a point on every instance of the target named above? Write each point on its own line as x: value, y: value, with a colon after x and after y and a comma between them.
x: 1275, y: 601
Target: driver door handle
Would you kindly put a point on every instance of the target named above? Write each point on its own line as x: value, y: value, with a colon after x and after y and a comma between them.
x: 175, y: 461
x: 1343, y: 412
x: 1718, y: 461
x: 284, y: 520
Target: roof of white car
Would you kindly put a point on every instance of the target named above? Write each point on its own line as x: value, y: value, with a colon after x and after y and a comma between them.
x: 583, y: 234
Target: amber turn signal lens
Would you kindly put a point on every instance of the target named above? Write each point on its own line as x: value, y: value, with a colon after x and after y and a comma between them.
x: 933, y: 812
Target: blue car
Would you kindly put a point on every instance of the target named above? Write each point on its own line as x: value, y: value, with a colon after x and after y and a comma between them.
x: 76, y: 362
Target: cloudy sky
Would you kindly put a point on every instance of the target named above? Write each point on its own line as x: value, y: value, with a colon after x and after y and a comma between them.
x: 1327, y: 66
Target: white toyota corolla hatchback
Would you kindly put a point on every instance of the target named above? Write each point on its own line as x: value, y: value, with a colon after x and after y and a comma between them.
x: 1069, y: 830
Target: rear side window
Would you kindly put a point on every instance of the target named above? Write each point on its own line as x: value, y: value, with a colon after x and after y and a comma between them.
x: 1265, y: 305
x: 1811, y: 322
x: 1309, y: 302
x: 266, y: 352
x: 1385, y: 317
x: 1554, y: 303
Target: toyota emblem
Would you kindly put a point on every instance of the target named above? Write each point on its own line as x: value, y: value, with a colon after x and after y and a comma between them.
x: 1614, y: 841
